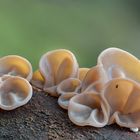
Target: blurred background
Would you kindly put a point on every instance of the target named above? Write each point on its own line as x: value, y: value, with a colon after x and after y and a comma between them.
x: 30, y: 28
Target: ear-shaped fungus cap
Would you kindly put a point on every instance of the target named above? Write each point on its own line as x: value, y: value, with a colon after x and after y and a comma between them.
x: 67, y: 89
x: 72, y: 86
x: 88, y: 109
x: 16, y: 66
x: 14, y: 92
x: 117, y: 63
x: 38, y: 80
x: 123, y: 98
x: 56, y: 66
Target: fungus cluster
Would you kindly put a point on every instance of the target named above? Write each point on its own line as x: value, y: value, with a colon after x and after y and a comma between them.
x: 15, y: 89
x: 102, y: 95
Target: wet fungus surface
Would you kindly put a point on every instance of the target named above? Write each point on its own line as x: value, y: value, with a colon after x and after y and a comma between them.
x: 15, y: 89
x: 102, y: 95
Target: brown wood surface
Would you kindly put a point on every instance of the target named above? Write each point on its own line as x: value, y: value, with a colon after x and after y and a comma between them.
x: 43, y: 119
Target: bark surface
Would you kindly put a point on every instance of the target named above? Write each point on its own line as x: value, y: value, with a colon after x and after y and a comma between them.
x: 43, y: 119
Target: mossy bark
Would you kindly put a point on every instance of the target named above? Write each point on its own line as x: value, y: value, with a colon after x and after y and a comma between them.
x: 43, y: 119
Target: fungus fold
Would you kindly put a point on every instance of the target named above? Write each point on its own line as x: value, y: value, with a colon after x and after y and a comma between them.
x: 15, y: 89
x: 16, y: 66
x: 118, y: 75
x: 102, y: 95
x: 54, y: 67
